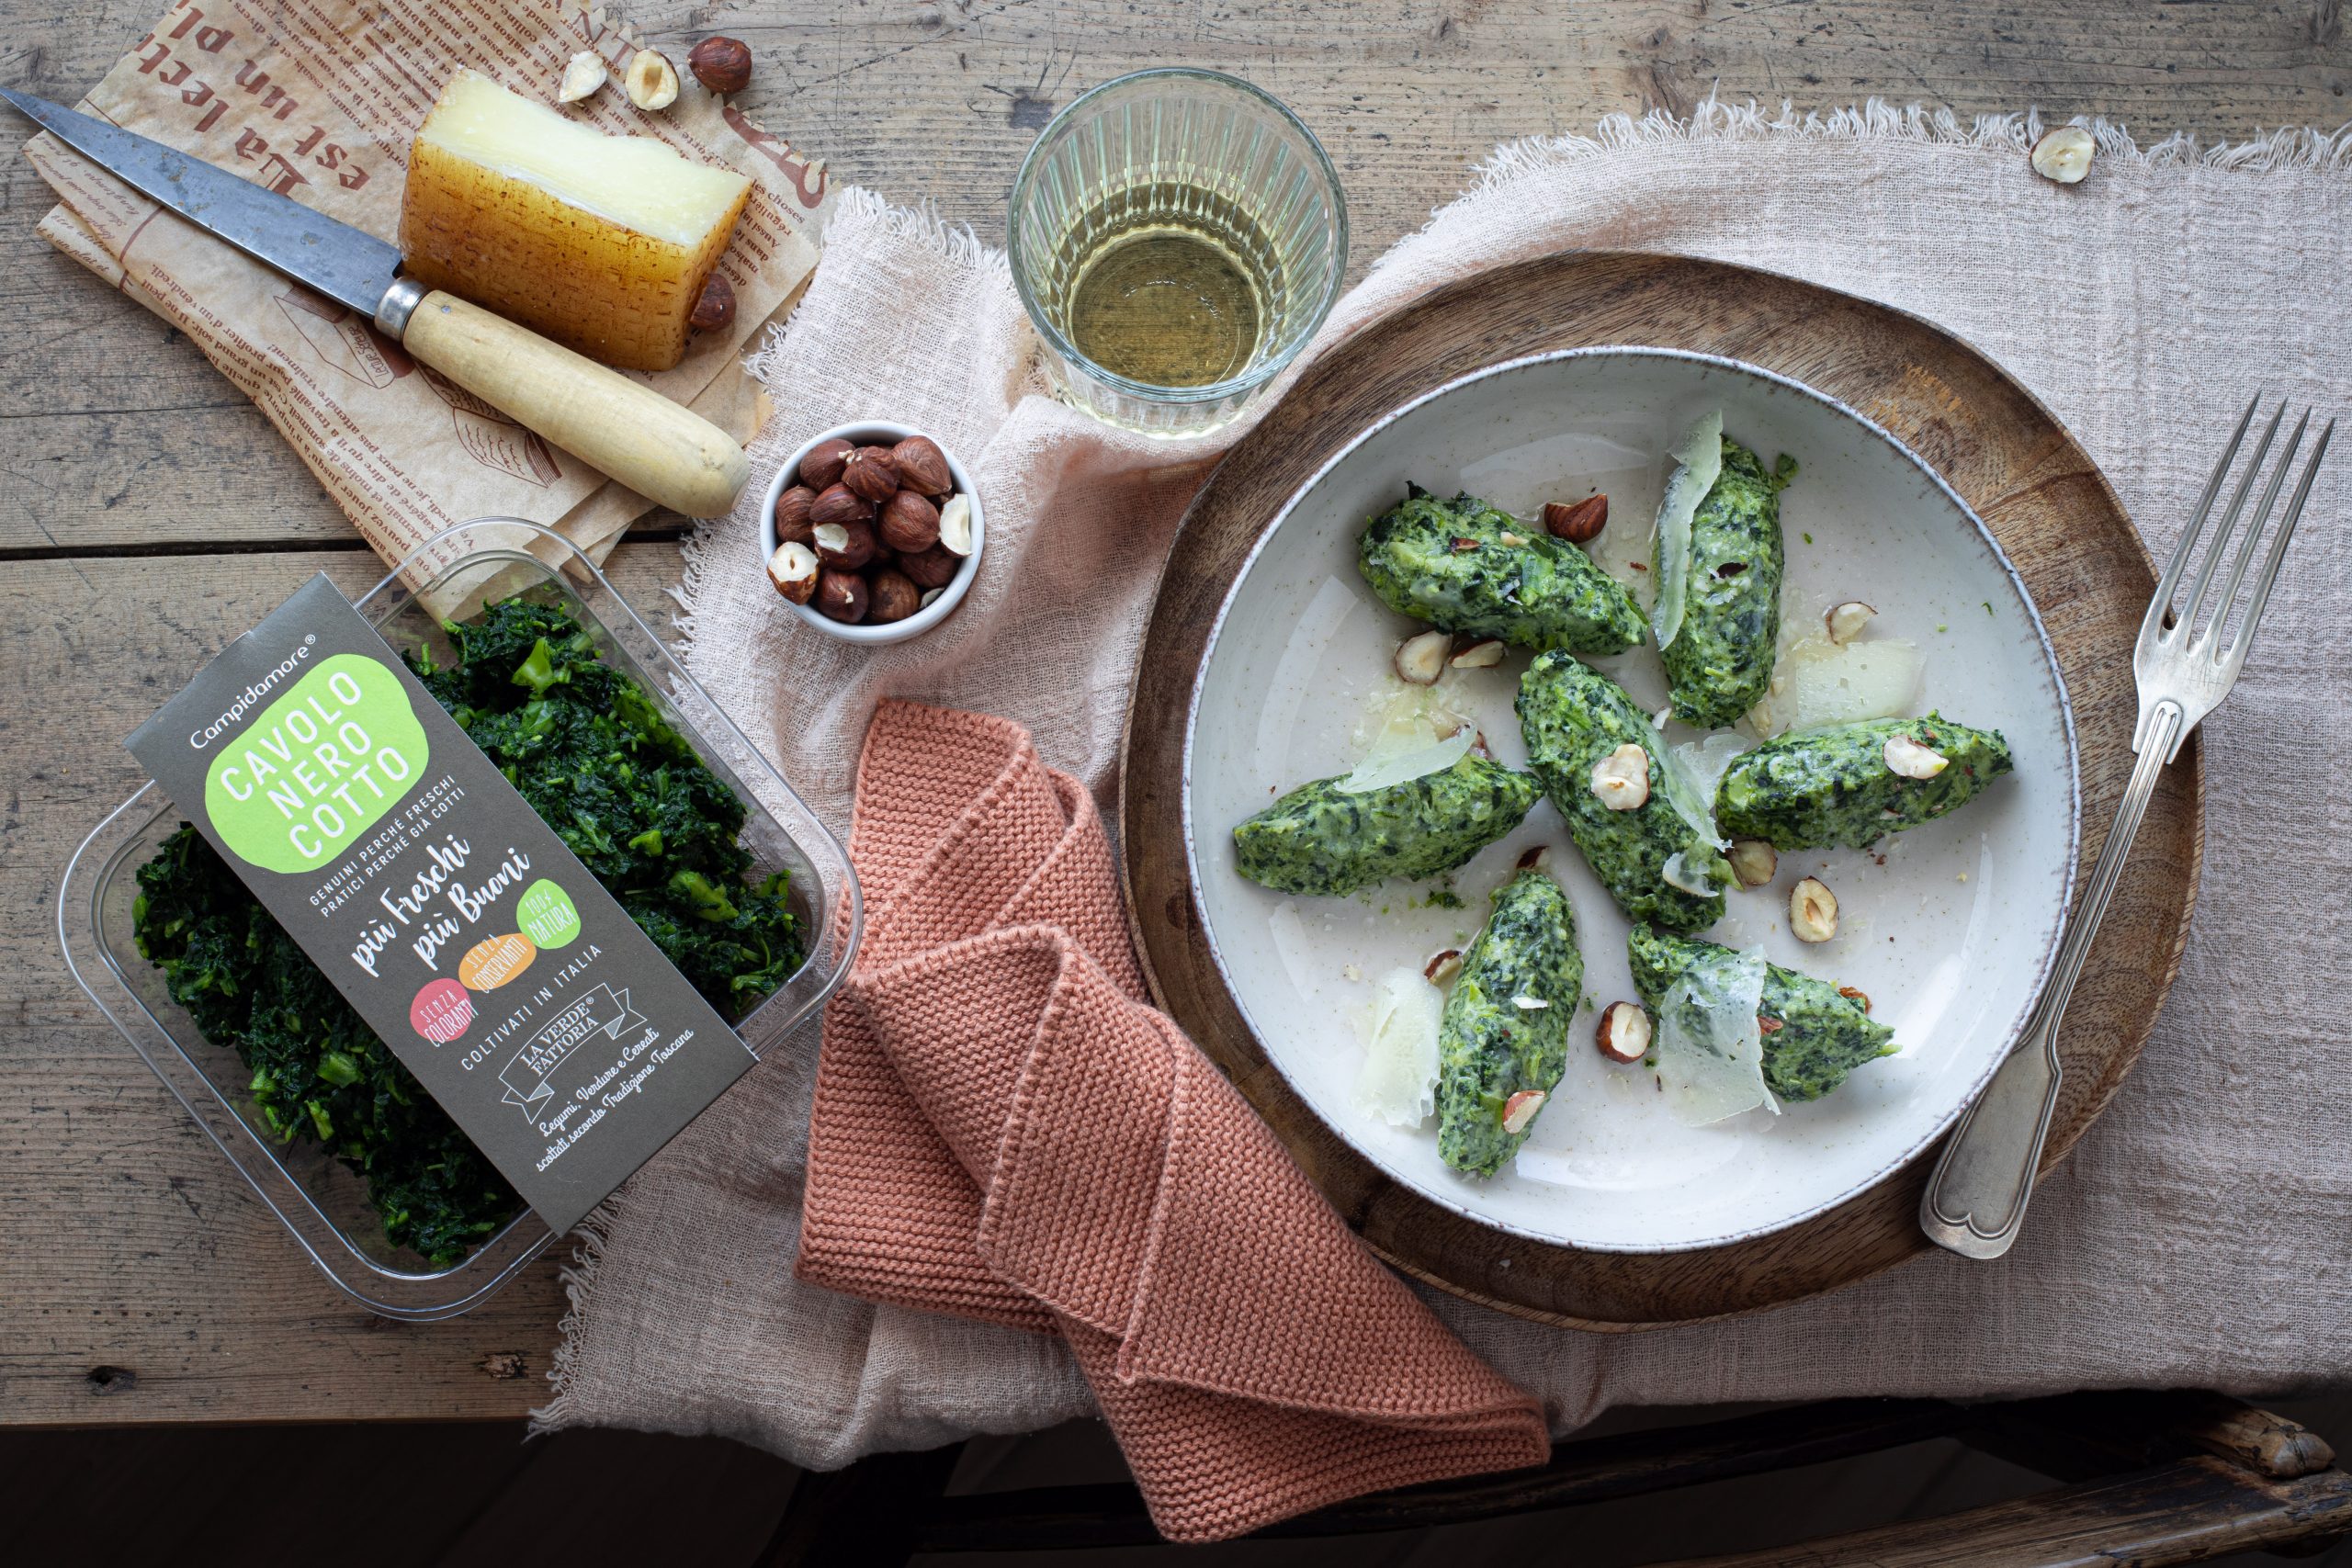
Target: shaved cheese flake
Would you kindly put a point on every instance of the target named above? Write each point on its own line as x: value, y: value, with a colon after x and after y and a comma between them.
x: 1698, y: 460
x: 1704, y: 761
x: 1710, y: 1049
x: 1820, y: 683
x: 1699, y: 880
x: 1692, y: 803
x: 1402, y: 767
x: 1398, y: 1080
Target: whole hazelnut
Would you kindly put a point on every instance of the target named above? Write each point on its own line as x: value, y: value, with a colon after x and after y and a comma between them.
x: 823, y: 466
x: 839, y: 503
x: 841, y: 596
x: 894, y: 598
x: 934, y: 568
x: 792, y: 521
x: 722, y: 65
x: 844, y: 547
x: 922, y: 465
x: 910, y: 522
x: 716, y: 308
x: 872, y: 473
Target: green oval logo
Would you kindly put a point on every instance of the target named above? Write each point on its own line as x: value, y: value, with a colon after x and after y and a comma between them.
x: 319, y: 767
x: 547, y: 915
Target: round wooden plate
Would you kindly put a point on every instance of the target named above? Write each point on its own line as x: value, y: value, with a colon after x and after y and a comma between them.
x: 2038, y: 491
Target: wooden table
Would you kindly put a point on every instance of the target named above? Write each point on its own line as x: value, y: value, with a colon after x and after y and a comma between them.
x: 148, y: 514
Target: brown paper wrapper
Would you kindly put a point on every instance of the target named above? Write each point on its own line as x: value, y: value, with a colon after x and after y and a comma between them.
x: 319, y: 100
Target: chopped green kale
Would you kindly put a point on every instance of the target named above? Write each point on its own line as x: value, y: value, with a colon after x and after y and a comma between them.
x: 586, y: 747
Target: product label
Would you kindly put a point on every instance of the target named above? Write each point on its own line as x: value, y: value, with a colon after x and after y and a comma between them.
x: 516, y: 989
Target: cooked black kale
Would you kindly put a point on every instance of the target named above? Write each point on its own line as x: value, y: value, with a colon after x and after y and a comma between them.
x: 585, y: 746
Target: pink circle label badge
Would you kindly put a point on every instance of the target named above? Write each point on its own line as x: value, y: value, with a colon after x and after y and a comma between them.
x: 442, y: 1011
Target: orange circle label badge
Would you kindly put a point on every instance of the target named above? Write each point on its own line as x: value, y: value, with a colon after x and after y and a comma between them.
x: 490, y: 965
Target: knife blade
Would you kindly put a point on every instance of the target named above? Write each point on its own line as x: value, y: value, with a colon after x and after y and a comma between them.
x: 655, y: 446
x: 347, y: 264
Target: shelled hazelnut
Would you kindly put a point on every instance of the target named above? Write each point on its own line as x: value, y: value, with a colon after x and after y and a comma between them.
x: 793, y: 525
x: 894, y: 597
x: 932, y: 568
x: 716, y: 308
x: 922, y: 467
x: 822, y: 467
x: 870, y: 534
x: 650, y: 82
x: 909, y: 524
x: 842, y: 595
x: 722, y: 65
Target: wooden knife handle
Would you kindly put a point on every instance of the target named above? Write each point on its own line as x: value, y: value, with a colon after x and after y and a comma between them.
x: 658, y: 448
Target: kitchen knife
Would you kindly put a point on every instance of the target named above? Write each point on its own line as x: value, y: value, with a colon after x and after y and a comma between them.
x: 626, y: 429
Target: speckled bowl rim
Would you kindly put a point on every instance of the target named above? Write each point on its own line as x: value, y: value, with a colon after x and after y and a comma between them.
x: 871, y: 432
x: 1991, y: 546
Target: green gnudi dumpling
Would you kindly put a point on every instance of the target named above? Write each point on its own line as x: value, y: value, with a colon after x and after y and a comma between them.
x: 1840, y: 785
x: 1720, y: 662
x: 1505, y: 1031
x: 1659, y: 860
x: 1322, y: 839
x: 1464, y: 567
x: 1814, y: 1036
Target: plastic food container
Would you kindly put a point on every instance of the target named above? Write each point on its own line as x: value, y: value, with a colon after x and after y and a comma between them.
x: 325, y: 1207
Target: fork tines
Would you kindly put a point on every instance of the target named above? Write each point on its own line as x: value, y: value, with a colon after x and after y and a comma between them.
x: 2171, y: 619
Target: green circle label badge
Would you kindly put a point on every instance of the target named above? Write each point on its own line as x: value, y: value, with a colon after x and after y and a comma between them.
x: 548, y: 914
x: 319, y: 767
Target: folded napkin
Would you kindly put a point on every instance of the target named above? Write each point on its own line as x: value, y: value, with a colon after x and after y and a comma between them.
x: 1005, y: 1131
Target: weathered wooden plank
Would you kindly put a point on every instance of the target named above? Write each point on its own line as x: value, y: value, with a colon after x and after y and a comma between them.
x: 131, y: 1245
x: 2189, y: 1512
x: 938, y: 101
x: 2075, y: 1436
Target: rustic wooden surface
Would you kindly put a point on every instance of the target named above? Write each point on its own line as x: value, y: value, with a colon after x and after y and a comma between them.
x: 2144, y: 1481
x: 148, y: 513
x: 2034, y: 488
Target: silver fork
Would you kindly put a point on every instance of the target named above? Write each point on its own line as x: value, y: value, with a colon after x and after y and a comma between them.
x: 1976, y: 1199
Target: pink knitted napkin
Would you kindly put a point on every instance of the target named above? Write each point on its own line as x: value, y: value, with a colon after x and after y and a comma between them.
x: 1005, y: 1130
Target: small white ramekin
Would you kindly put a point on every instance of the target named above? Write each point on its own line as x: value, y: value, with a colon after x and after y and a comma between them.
x: 875, y: 433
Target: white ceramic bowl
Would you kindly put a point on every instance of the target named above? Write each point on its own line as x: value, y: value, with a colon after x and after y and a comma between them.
x: 875, y: 433
x: 1952, y: 937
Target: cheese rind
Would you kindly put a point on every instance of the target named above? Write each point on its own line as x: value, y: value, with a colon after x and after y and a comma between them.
x: 600, y: 242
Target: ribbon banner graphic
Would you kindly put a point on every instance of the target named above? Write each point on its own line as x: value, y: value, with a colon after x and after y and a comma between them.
x: 601, y: 1011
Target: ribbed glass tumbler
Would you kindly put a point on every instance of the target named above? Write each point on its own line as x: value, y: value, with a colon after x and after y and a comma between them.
x: 1186, y: 229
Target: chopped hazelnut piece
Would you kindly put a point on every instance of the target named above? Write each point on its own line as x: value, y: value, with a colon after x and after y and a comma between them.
x: 1753, y: 861
x: 1421, y: 660
x: 1812, y: 910
x: 1622, y: 780
x: 1906, y: 758
x: 1845, y: 622
x: 1623, y: 1033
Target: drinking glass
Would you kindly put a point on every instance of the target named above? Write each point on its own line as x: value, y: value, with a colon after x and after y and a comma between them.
x: 1201, y: 157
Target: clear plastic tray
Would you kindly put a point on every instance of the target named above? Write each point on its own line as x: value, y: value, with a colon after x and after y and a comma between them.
x: 325, y: 1207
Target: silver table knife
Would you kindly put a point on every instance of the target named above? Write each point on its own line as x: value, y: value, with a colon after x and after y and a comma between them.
x: 656, y: 448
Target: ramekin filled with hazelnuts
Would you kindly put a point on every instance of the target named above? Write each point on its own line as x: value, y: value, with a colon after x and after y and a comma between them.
x: 872, y: 532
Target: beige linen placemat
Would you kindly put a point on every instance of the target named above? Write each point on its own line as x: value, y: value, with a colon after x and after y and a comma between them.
x: 2201, y: 1235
